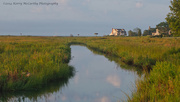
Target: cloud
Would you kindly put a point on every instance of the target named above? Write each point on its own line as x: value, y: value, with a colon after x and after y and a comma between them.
x: 139, y: 4
x: 114, y: 80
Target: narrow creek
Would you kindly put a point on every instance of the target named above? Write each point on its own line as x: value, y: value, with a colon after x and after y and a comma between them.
x: 97, y: 79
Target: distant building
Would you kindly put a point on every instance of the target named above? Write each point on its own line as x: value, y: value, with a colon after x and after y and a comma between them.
x: 156, y: 33
x: 118, y: 32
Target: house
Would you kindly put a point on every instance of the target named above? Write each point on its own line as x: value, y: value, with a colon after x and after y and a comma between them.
x: 156, y: 33
x: 118, y: 32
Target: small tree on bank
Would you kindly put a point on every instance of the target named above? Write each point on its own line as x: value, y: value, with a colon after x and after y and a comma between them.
x: 71, y: 35
x: 96, y: 34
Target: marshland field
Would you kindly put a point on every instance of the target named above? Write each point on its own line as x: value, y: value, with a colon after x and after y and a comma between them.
x: 30, y: 63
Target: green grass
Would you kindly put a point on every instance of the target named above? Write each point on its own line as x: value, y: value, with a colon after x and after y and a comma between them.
x: 28, y: 63
x: 161, y: 85
x: 46, y: 59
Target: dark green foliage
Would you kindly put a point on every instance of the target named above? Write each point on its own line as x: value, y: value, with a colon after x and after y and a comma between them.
x: 174, y: 51
x: 173, y: 18
x: 130, y: 33
x: 163, y: 28
x: 135, y: 32
x: 145, y: 62
x: 163, y: 24
x: 139, y: 32
x: 149, y: 32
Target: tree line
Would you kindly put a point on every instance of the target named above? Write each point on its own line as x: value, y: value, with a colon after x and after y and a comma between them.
x: 171, y: 27
x: 135, y: 32
x: 162, y: 27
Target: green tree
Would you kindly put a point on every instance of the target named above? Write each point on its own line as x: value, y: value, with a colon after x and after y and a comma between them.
x: 163, y: 28
x: 130, y: 33
x: 173, y: 18
x: 96, y: 34
x: 135, y: 32
x: 146, y: 32
x: 149, y: 31
x: 139, y: 32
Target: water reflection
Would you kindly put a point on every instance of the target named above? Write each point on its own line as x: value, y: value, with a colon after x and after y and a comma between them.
x: 103, y: 99
x: 114, y: 80
x: 119, y: 63
x: 97, y: 79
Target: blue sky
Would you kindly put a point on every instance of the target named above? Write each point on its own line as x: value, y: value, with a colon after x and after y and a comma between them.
x: 84, y: 17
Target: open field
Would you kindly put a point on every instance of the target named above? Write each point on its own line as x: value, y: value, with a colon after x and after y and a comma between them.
x: 31, y: 62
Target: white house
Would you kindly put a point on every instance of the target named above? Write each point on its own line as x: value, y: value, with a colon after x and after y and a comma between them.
x: 118, y: 32
x: 156, y: 33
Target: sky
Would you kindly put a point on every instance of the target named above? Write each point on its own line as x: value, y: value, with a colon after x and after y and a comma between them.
x: 84, y: 17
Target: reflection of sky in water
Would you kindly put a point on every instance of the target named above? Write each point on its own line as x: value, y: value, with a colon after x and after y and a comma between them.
x: 96, y: 80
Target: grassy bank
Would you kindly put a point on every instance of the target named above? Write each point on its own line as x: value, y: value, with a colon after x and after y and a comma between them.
x: 28, y: 63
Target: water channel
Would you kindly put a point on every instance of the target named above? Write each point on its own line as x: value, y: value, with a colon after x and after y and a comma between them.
x: 97, y: 79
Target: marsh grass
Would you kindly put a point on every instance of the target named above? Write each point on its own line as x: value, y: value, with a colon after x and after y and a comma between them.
x: 161, y: 85
x: 30, y: 62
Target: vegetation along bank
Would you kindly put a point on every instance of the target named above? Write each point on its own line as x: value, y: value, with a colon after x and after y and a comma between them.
x: 28, y: 63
